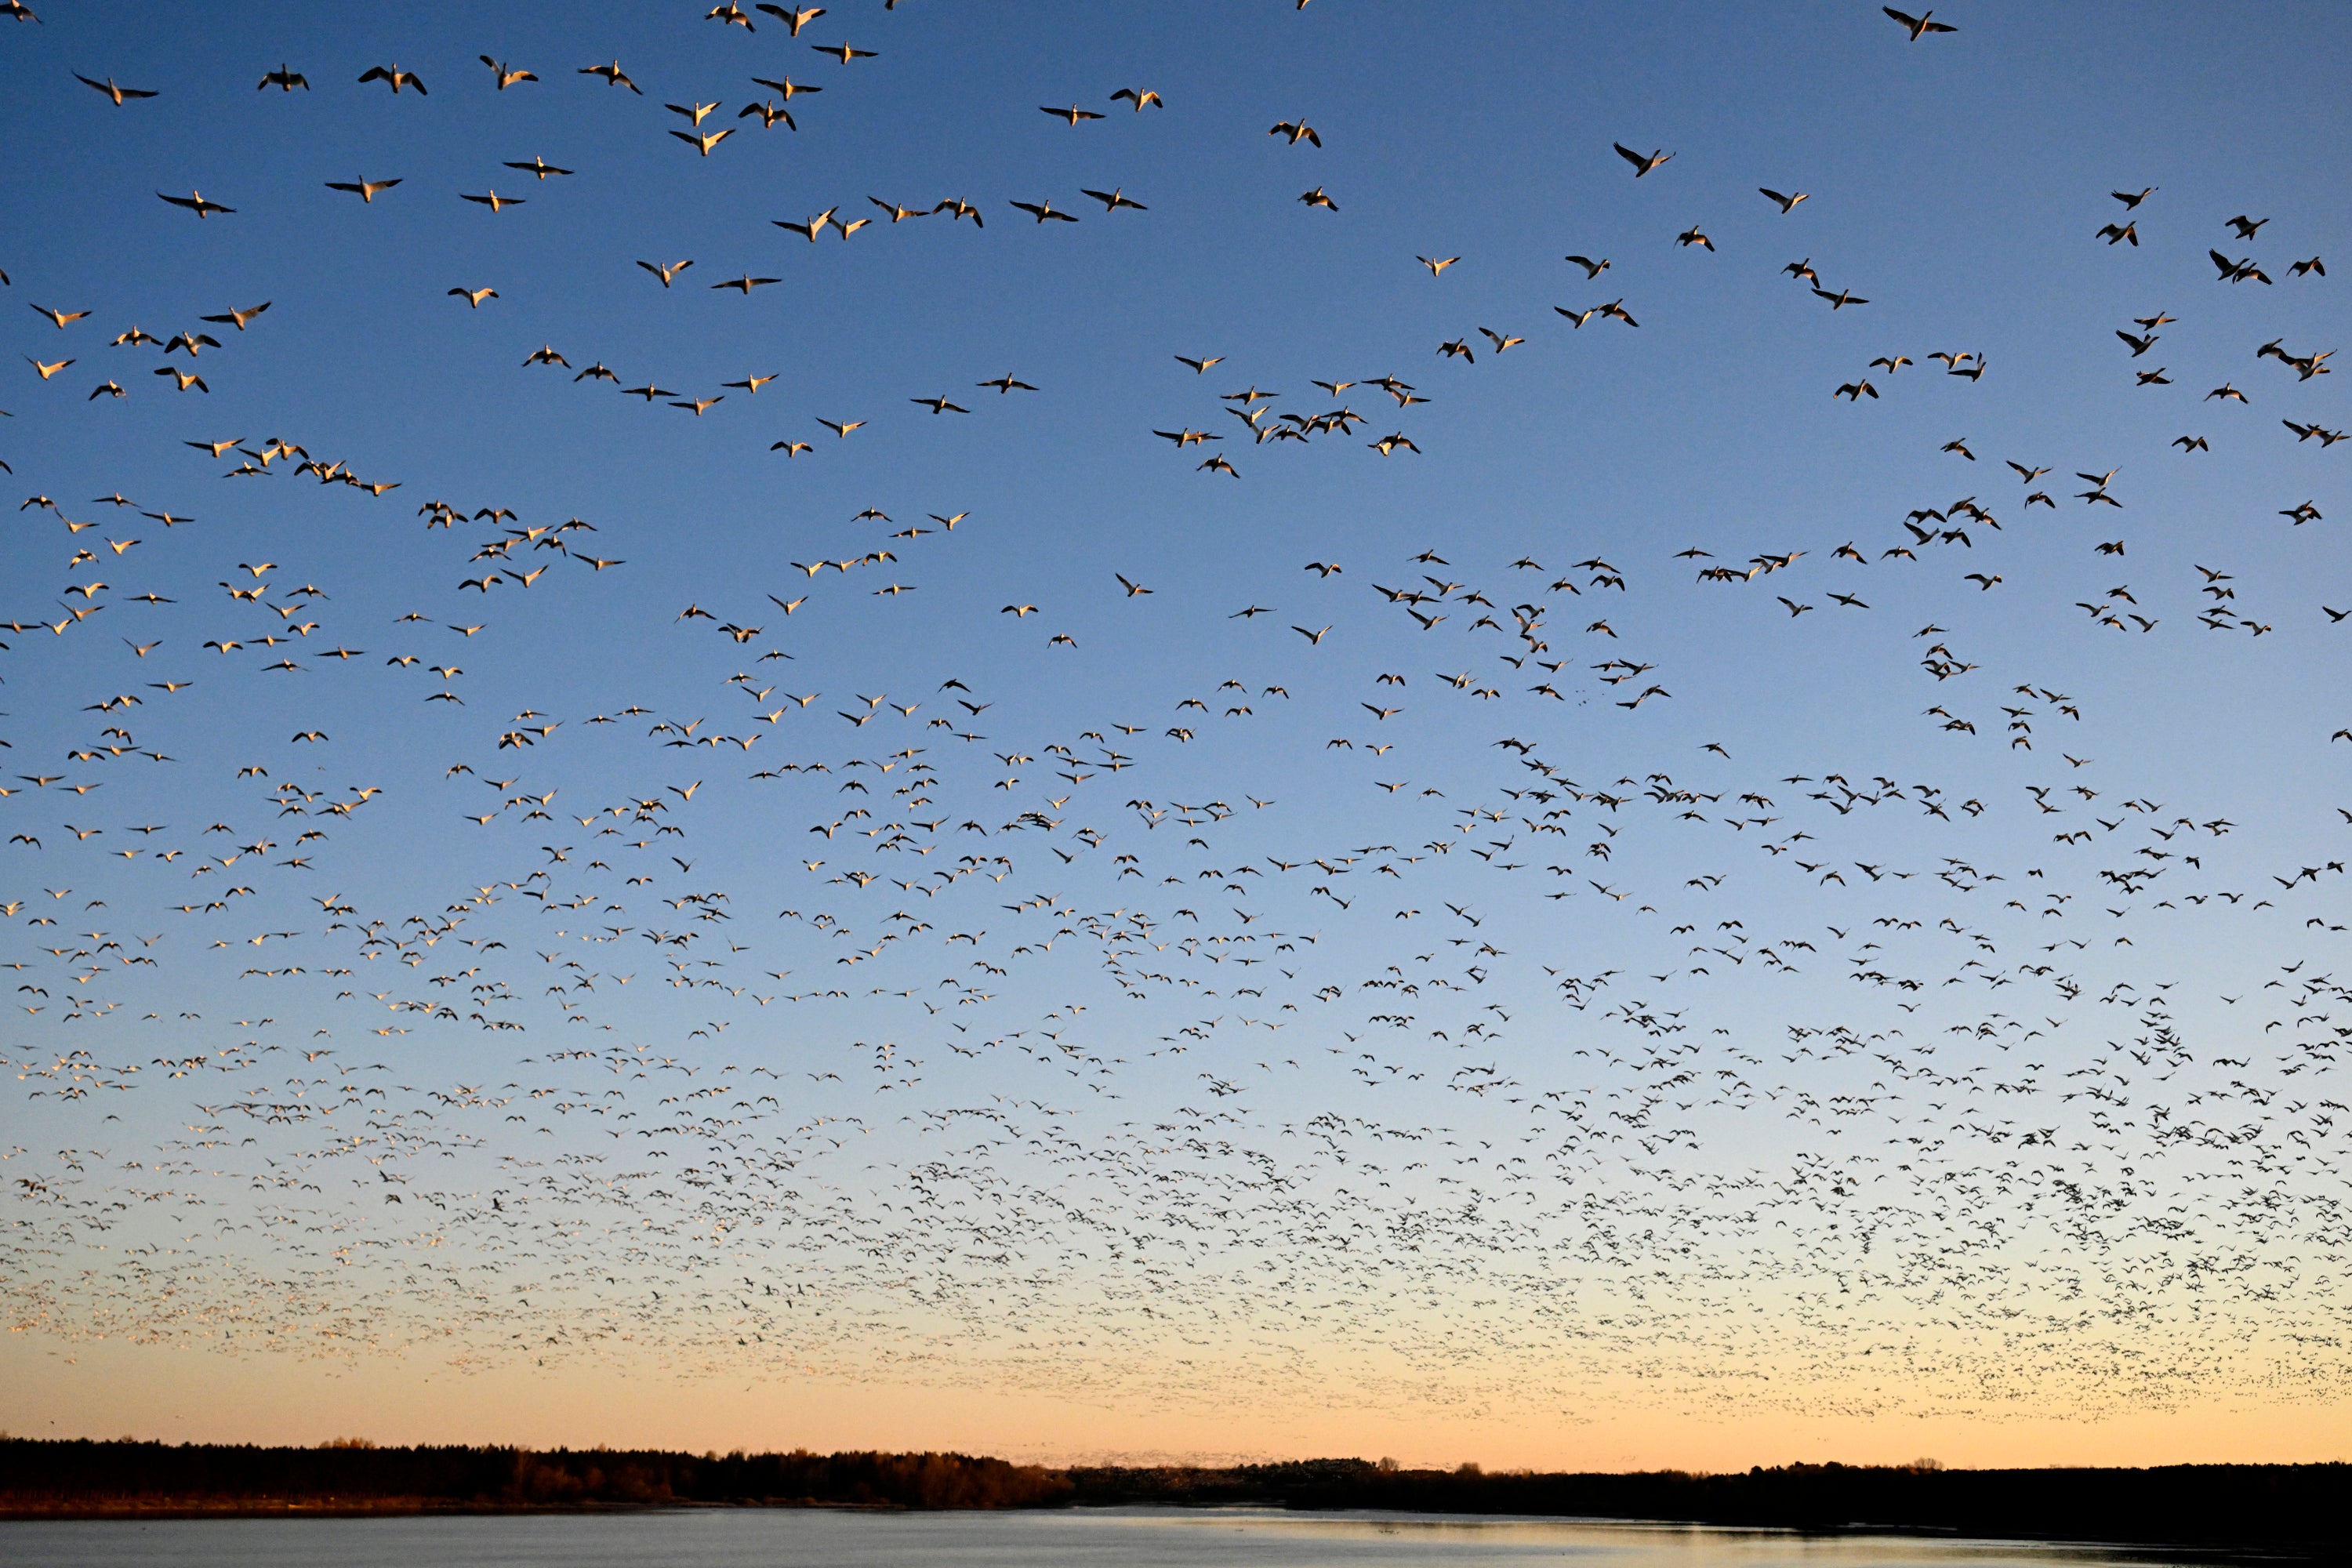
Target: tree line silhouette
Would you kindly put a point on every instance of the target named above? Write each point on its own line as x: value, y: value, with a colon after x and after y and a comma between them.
x: 50, y: 1477
x: 2301, y: 1509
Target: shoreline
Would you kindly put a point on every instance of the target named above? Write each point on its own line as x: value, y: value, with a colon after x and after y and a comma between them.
x: 2300, y: 1512
x: 15, y: 1512
x: 225, y: 1509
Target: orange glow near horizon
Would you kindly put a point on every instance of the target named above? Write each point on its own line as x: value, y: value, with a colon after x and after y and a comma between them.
x: 107, y: 1390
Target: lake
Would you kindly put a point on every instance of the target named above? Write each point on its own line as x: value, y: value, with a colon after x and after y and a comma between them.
x: 1088, y: 1537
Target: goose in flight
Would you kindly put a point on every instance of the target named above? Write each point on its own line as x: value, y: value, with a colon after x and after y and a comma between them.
x: 796, y: 20
x: 505, y: 75
x: 493, y: 201
x: 196, y: 202
x: 1138, y: 99
x: 284, y: 81
x: 810, y: 229
x: 394, y: 77
x: 1074, y: 114
x: 1920, y: 26
x: 1788, y: 204
x: 1297, y: 131
x: 1112, y: 200
x: 364, y: 189
x: 122, y: 95
x: 238, y: 319
x: 614, y: 76
x: 1642, y: 166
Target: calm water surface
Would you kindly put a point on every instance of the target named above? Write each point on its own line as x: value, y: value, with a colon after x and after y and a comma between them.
x: 1107, y: 1538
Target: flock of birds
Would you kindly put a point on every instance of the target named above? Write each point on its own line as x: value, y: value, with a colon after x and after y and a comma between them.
x: 1071, y: 1055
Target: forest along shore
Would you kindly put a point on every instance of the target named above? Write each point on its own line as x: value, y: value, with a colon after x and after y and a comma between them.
x: 2304, y: 1510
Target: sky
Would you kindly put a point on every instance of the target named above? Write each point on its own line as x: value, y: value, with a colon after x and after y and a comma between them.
x: 621, y: 926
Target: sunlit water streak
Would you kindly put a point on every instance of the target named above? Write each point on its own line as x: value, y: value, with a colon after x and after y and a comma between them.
x: 1126, y: 1538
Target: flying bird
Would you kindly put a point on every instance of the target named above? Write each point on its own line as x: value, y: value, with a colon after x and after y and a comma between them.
x: 502, y: 75
x: 613, y: 76
x: 365, y: 189
x: 1920, y: 26
x: 196, y: 202
x: 394, y: 77
x: 119, y: 95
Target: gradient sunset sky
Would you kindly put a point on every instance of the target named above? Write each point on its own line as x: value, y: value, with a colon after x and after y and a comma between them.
x: 1670, y: 916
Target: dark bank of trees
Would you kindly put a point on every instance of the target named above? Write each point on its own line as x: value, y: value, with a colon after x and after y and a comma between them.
x: 47, y: 1477
x: 2305, y: 1509
x: 2299, y: 1508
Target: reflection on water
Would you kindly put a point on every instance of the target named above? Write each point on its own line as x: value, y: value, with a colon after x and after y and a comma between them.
x: 1090, y: 1538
